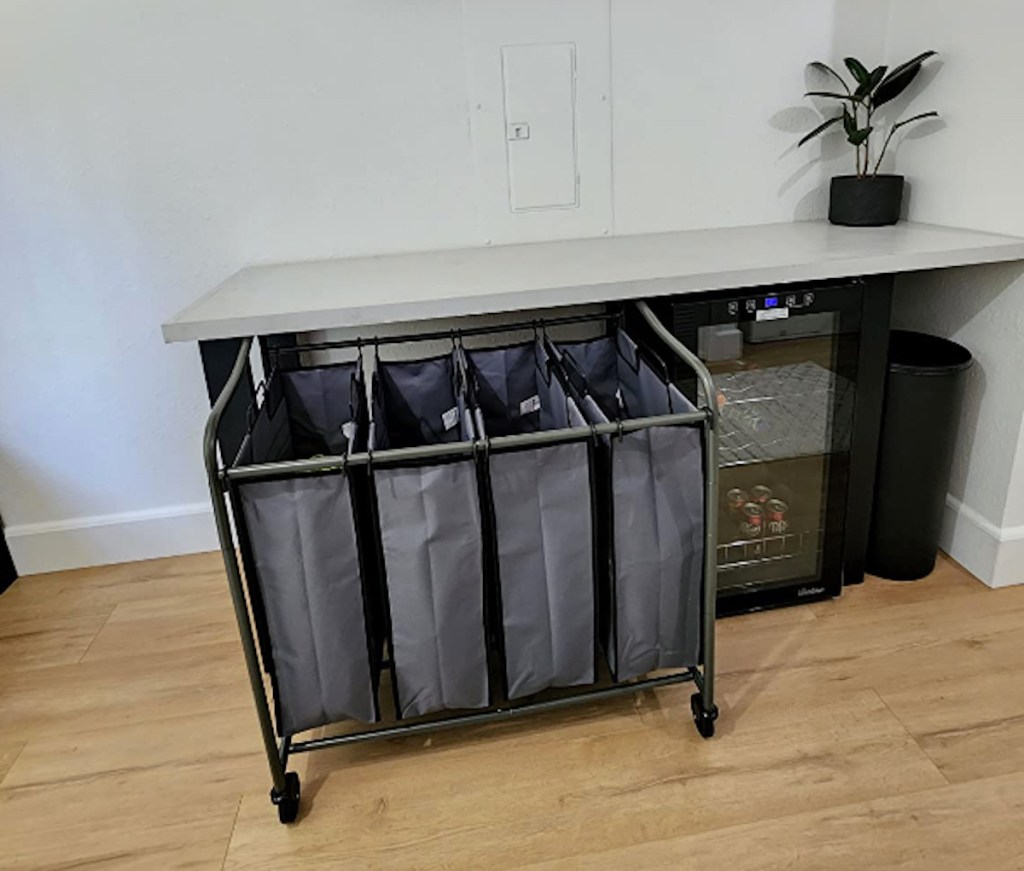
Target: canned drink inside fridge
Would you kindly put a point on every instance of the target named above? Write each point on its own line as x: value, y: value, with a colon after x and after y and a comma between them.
x: 760, y: 494
x: 736, y: 499
x: 775, y: 512
x: 752, y: 524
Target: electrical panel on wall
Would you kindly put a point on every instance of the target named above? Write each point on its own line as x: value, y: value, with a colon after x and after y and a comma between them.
x: 540, y: 117
x: 540, y: 111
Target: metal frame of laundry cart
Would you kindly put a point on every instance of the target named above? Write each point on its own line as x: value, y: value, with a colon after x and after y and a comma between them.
x: 224, y: 478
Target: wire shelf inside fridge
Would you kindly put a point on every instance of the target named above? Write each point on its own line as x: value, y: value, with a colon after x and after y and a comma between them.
x: 769, y: 548
x: 782, y: 412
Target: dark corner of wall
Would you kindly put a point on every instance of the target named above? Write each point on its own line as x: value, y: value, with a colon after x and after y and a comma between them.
x: 8, y: 574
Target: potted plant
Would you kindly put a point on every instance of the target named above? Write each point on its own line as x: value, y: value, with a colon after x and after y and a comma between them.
x: 867, y: 199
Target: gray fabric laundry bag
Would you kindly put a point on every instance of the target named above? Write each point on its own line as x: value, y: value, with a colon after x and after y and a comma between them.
x: 542, y: 508
x: 323, y: 404
x: 654, y: 529
x: 317, y: 614
x: 431, y: 546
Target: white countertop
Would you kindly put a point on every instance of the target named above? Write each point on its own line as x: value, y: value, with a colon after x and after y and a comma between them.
x: 362, y: 291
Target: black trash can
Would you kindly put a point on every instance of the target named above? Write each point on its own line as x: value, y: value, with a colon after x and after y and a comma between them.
x: 923, y: 399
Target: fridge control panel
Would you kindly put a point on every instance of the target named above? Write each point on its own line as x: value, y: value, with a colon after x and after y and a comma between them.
x: 769, y: 307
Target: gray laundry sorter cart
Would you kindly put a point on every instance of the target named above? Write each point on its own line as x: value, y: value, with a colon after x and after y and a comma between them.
x: 322, y: 552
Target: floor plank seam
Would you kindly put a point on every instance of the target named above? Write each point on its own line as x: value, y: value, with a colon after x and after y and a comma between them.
x: 14, y: 762
x: 231, y: 831
x: 97, y: 635
x: 912, y: 737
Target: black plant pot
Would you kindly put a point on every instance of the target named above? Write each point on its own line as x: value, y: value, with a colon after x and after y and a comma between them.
x: 873, y: 201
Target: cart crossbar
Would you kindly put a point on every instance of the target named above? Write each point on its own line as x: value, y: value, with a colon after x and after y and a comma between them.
x: 458, y: 449
x: 498, y: 714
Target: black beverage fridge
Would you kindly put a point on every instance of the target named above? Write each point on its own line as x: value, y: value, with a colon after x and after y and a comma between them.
x: 799, y: 372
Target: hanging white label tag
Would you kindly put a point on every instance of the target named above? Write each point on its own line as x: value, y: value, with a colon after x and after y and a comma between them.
x: 772, y: 314
x: 530, y: 405
x: 450, y: 418
x: 348, y: 429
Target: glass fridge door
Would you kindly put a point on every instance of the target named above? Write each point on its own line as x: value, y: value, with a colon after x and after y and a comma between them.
x: 786, y: 391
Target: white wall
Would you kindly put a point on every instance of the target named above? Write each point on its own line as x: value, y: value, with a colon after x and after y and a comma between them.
x: 708, y: 108
x: 969, y: 172
x: 149, y: 150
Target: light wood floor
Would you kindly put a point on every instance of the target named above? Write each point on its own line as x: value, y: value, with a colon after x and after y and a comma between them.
x: 885, y: 730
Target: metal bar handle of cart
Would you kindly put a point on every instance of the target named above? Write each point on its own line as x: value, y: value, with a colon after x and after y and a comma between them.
x: 705, y: 711
x: 238, y: 600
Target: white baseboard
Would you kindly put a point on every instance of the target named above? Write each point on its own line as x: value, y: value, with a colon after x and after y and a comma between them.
x: 112, y: 538
x: 993, y: 554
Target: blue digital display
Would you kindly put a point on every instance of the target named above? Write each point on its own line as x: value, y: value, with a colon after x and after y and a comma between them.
x: 771, y: 301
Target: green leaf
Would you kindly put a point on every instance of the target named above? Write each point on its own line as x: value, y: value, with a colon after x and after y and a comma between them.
x: 859, y: 137
x: 817, y: 131
x: 865, y: 88
x: 849, y: 122
x: 860, y: 72
x: 897, y: 81
x: 832, y: 95
x: 825, y: 68
x: 920, y: 117
x: 873, y: 80
x: 913, y: 62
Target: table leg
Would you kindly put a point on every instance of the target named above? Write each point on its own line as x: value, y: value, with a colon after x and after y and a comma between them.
x: 218, y: 357
x: 872, y: 364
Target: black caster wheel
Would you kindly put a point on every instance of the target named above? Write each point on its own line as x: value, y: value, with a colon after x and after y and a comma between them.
x: 705, y: 720
x: 288, y: 801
